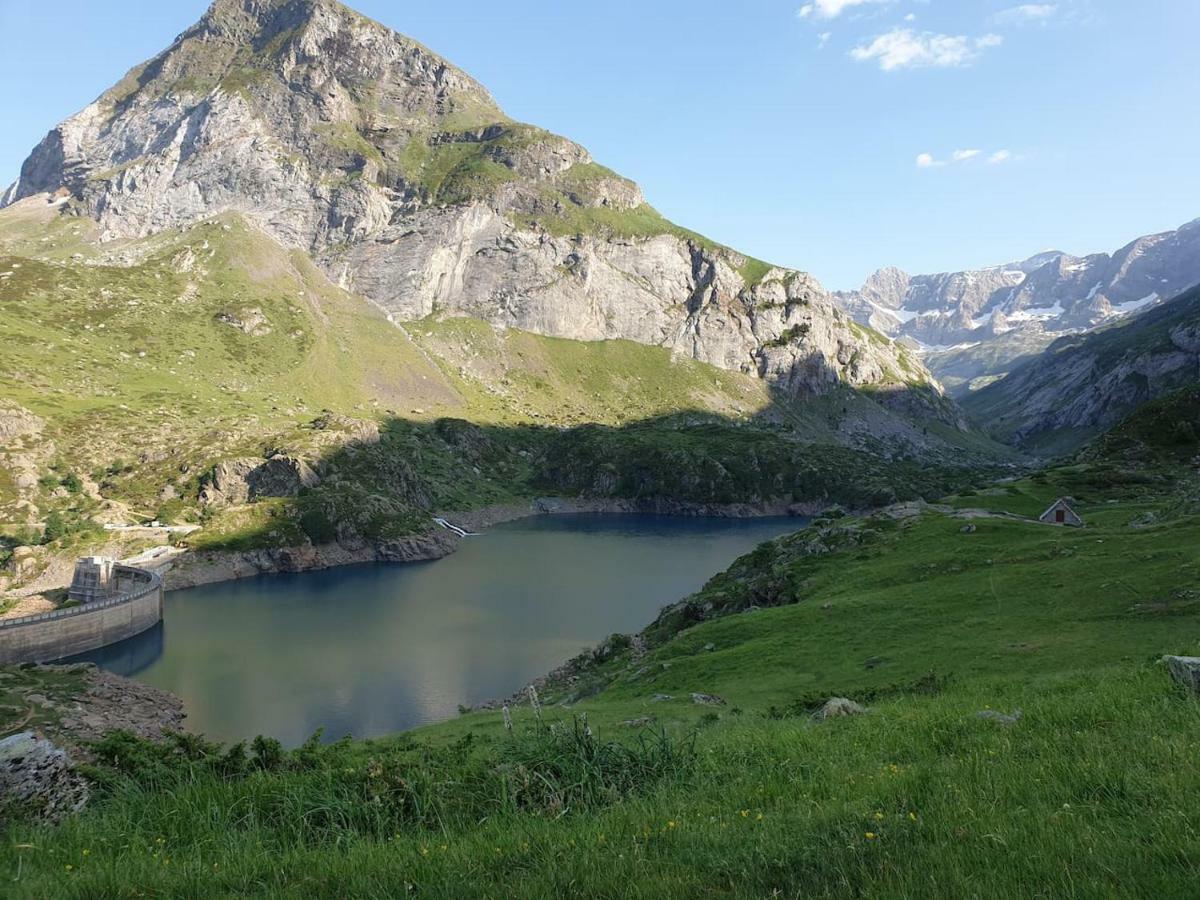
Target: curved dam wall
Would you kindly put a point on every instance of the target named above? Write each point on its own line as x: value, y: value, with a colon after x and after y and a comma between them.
x: 137, y: 605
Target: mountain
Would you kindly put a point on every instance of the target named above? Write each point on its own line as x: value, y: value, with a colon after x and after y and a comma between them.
x: 403, y: 179
x: 1084, y: 384
x: 299, y: 281
x: 972, y: 325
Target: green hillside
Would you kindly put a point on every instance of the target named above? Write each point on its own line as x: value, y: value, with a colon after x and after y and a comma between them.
x: 146, y: 363
x: 1021, y: 739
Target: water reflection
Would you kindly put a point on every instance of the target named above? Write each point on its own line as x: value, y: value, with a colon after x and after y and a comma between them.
x: 370, y: 650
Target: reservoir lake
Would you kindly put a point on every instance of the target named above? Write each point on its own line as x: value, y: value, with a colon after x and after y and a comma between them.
x: 375, y: 649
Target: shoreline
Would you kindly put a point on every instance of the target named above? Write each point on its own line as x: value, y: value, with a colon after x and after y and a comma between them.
x: 187, y: 569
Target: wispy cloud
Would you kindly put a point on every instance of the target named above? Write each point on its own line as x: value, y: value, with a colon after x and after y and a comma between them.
x: 903, y: 48
x: 1025, y: 14
x: 831, y: 9
x: 823, y: 39
x: 929, y: 161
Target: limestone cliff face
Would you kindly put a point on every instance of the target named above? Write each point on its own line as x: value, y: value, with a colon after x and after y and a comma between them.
x: 406, y: 182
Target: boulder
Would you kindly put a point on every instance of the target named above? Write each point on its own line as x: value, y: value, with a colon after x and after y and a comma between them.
x: 1185, y: 670
x: 1005, y: 719
x: 836, y: 707
x: 707, y: 699
x: 40, y: 778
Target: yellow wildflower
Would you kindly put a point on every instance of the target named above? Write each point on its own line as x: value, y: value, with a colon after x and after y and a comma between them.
x: 871, y: 835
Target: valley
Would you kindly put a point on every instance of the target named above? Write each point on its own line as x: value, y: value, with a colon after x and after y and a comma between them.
x: 521, y: 542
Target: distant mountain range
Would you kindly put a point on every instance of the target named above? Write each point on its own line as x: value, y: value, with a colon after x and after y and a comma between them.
x: 1084, y: 384
x: 973, y: 325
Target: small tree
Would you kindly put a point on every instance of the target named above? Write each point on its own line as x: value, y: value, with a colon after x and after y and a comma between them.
x: 56, y: 528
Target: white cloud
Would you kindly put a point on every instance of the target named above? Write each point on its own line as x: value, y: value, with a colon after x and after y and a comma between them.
x: 1026, y: 12
x: 831, y: 9
x: 929, y: 161
x: 903, y: 48
x: 823, y: 39
x: 911, y: 17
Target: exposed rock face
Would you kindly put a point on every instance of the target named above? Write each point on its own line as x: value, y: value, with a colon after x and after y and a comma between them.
x: 39, y: 777
x: 245, y: 479
x: 1020, y: 307
x: 1091, y: 382
x: 403, y: 179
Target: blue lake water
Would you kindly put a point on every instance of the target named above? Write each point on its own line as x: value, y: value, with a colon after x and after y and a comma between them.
x: 371, y: 650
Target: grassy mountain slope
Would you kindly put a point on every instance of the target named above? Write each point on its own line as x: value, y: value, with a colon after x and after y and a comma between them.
x: 144, y: 364
x: 1081, y: 794
x: 1084, y: 384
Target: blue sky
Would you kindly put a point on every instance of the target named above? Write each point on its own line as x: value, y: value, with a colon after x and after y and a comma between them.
x: 819, y: 134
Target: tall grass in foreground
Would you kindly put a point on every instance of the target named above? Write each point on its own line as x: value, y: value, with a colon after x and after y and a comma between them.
x: 1092, y: 794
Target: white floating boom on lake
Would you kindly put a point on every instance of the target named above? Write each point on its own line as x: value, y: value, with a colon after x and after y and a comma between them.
x: 452, y: 527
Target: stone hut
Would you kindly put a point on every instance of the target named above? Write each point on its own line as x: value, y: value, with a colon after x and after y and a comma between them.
x: 94, y: 580
x: 1061, y: 513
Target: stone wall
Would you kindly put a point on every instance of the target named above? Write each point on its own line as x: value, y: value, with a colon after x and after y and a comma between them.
x: 65, y: 632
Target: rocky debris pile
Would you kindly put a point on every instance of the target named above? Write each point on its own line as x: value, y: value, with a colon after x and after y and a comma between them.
x: 78, y: 703
x: 707, y: 699
x: 38, y: 778
x: 114, y: 703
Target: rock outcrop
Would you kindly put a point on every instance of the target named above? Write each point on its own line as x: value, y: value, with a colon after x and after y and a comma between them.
x: 39, y: 779
x: 409, y: 186
x: 247, y: 478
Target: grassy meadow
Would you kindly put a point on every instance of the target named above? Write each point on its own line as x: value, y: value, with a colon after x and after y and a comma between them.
x: 1076, y: 780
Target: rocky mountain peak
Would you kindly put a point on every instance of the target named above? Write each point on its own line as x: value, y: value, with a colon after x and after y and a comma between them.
x: 405, y: 182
